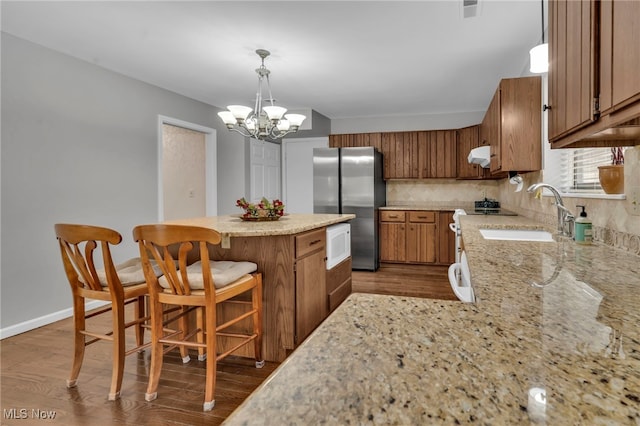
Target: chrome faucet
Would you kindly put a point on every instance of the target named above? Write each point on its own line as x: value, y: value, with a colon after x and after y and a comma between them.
x: 565, y: 218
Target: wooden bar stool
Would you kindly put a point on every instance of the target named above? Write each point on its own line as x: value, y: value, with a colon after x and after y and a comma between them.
x: 119, y: 284
x: 200, y: 284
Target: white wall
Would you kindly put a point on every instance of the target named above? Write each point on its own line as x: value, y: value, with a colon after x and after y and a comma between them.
x: 79, y: 144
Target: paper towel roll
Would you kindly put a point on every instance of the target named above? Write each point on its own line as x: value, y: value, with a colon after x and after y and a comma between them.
x: 516, y: 180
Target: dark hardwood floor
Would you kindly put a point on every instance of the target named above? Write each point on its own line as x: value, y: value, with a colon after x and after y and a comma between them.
x: 405, y: 280
x: 35, y: 366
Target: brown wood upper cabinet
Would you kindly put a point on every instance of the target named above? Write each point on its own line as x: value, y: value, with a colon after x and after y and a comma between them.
x: 409, y: 155
x: 400, y: 155
x: 468, y: 139
x: 512, y: 126
x: 594, y: 83
x: 438, y: 151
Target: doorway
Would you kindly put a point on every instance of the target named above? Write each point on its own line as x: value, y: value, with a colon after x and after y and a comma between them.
x: 187, y: 181
x: 297, y: 172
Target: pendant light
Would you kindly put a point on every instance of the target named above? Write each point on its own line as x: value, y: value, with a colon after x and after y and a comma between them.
x: 261, y: 122
x: 539, y: 55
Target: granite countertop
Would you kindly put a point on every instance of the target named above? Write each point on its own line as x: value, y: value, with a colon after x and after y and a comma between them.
x: 435, y: 206
x: 233, y: 226
x: 552, y: 339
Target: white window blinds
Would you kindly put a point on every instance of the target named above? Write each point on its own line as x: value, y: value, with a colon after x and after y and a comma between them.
x: 579, y: 170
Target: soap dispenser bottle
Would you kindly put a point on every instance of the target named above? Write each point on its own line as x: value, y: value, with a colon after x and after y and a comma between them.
x: 582, y: 234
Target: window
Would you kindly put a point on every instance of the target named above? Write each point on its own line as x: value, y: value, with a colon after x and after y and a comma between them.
x: 575, y: 171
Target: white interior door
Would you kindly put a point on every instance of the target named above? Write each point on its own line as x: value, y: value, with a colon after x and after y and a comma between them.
x: 298, y: 173
x: 265, y: 170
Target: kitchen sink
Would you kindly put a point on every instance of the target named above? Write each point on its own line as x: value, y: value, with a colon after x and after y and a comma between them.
x: 517, y: 235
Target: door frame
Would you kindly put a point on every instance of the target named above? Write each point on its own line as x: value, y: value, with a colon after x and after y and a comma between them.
x: 211, y: 180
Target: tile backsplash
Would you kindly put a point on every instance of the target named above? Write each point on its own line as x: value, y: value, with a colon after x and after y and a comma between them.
x: 615, y: 222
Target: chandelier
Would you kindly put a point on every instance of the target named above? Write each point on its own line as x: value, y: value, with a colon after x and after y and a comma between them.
x: 261, y: 122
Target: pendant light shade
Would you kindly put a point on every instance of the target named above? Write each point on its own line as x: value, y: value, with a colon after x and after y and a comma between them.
x: 539, y: 58
x: 539, y: 55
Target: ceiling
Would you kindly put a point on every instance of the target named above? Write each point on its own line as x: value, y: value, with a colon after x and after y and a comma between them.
x: 343, y: 59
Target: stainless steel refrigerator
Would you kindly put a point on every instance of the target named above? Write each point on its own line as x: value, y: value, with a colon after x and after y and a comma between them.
x: 349, y: 180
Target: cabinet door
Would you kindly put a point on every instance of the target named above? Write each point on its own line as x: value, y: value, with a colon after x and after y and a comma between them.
x: 338, y: 284
x: 491, y: 130
x: 400, y: 155
x: 421, y: 242
x: 619, y: 54
x: 438, y: 154
x: 446, y: 238
x: 572, y: 66
x: 392, y: 242
x: 468, y: 139
x: 520, y: 124
x: 311, y: 293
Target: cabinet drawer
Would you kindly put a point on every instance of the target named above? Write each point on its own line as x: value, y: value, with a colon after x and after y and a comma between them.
x: 421, y: 216
x: 338, y: 274
x: 310, y: 241
x: 392, y: 216
x: 337, y: 296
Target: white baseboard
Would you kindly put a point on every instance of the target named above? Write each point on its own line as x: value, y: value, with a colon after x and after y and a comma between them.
x: 25, y: 326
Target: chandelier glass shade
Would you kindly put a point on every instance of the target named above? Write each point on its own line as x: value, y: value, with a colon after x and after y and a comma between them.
x: 261, y: 122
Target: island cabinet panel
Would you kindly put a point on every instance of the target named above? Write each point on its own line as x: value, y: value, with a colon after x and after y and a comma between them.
x: 294, y: 287
x: 310, y: 282
x: 338, y: 284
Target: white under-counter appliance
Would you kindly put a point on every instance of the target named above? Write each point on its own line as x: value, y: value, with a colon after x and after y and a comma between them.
x: 338, y: 243
x: 459, y: 274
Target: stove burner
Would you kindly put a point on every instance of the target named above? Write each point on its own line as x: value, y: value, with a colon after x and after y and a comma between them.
x: 487, y: 204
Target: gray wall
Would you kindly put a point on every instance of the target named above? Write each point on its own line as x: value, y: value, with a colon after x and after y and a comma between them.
x: 406, y: 123
x: 79, y: 144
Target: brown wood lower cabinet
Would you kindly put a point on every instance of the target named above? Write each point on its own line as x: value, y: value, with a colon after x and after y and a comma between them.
x: 420, y: 237
x: 310, y: 276
x: 338, y: 284
x: 295, y: 292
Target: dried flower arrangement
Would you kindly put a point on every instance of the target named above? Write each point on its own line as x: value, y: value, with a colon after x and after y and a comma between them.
x: 264, y: 210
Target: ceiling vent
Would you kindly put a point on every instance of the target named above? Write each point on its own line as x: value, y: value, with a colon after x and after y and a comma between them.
x: 470, y: 8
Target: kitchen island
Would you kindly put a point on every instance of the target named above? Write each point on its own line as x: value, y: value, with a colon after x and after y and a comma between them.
x: 290, y: 254
x: 553, y: 338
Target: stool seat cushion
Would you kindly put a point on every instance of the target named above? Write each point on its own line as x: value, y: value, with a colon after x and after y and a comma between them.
x: 224, y: 272
x: 129, y: 272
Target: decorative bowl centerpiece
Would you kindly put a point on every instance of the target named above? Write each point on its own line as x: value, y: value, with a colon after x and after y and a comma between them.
x: 263, y: 211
